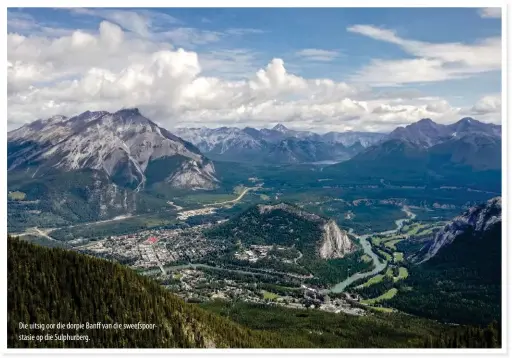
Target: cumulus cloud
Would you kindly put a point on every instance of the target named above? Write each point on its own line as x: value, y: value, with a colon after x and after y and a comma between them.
x: 490, y: 104
x: 433, y: 62
x: 109, y: 69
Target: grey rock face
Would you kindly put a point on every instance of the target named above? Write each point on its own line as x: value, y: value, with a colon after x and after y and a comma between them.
x: 120, y: 144
x: 479, y: 218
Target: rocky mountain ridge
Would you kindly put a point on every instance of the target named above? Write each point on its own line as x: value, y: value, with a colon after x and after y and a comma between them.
x: 121, y: 144
x: 277, y: 145
x: 427, y: 133
x: 479, y: 219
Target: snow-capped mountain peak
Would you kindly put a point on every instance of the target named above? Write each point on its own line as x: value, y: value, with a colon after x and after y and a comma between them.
x: 280, y: 128
x: 276, y: 145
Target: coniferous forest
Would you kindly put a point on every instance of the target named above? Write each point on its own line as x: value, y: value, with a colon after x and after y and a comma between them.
x: 54, y: 285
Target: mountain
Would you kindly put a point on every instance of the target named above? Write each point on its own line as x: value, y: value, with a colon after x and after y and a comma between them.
x: 424, y: 133
x: 280, y: 128
x: 96, y: 166
x: 48, y: 286
x: 278, y: 145
x: 469, y: 125
x: 348, y: 139
x: 467, y: 152
x: 427, y: 133
x: 456, y: 277
x: 480, y: 151
x: 477, y: 220
x: 125, y: 145
x: 293, y: 240
x: 294, y: 150
x: 287, y: 225
x: 232, y: 144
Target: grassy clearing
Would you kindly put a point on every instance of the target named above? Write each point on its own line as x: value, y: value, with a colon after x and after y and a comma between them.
x: 429, y: 230
x: 402, y: 273
x: 386, y: 255
x: 415, y: 228
x: 382, y: 309
x: 17, y: 195
x: 366, y: 258
x: 270, y: 295
x: 373, y: 280
x: 385, y: 296
x: 376, y: 241
x: 391, y: 244
x: 398, y: 256
x: 155, y: 222
x: 389, y: 272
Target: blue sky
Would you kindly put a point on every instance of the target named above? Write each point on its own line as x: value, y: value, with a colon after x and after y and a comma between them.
x: 382, y: 62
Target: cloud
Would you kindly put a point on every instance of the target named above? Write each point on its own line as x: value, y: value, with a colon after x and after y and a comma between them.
x: 313, y: 54
x: 229, y: 63
x: 244, y: 31
x: 111, y: 68
x: 24, y: 23
x: 185, y: 36
x: 141, y: 22
x: 433, y: 62
x: 490, y: 12
x: 490, y: 104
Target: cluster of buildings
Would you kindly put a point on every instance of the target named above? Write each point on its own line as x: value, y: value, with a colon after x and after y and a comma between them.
x: 184, y: 215
x: 196, y: 285
x: 152, y: 248
x: 253, y: 253
x: 257, y: 252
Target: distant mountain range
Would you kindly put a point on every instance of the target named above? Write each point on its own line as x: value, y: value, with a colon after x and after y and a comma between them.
x: 278, y: 145
x: 97, y: 165
x: 466, y: 152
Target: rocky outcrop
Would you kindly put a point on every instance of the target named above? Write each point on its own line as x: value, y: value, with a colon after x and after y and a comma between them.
x: 477, y: 218
x: 335, y: 242
x: 192, y: 175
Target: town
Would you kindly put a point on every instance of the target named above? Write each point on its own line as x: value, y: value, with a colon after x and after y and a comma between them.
x: 170, y: 256
x: 154, y: 248
x: 199, y: 283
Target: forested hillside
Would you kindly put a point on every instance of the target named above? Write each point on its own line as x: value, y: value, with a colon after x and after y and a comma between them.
x: 55, y: 285
x: 461, y: 284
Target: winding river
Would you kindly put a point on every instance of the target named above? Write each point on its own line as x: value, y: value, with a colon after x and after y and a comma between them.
x: 339, y: 287
x: 367, y: 248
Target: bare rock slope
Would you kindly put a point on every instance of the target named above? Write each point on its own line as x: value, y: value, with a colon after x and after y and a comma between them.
x: 125, y: 145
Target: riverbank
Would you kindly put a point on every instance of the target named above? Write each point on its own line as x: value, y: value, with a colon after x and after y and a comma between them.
x: 367, y: 248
